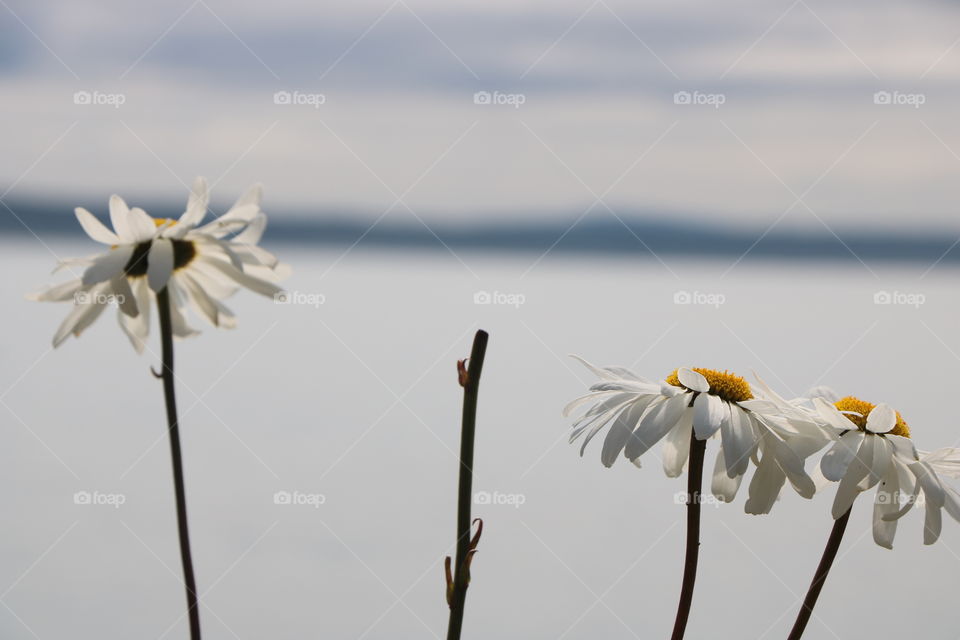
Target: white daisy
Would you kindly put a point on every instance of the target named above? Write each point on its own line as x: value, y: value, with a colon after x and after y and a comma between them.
x: 104, y: 280
x: 198, y: 265
x: 875, y: 449
x: 700, y: 403
x: 202, y: 265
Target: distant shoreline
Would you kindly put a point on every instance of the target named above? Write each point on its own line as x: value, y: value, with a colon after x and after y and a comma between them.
x: 637, y: 235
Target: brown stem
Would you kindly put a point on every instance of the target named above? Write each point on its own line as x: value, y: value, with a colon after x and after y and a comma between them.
x: 829, y: 555
x: 470, y: 379
x: 166, y: 337
x: 694, y: 487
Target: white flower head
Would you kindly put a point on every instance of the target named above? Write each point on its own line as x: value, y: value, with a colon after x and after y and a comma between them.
x: 875, y: 450
x: 703, y: 403
x: 198, y: 265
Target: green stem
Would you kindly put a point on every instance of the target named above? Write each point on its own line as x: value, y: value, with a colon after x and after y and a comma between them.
x: 461, y: 577
x: 166, y: 336
x: 694, y: 488
x: 829, y: 555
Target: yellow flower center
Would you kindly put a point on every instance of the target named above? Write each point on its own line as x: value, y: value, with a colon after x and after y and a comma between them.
x: 724, y: 384
x: 162, y: 221
x: 861, y: 409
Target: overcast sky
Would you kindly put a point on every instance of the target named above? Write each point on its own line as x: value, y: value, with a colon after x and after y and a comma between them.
x: 797, y: 139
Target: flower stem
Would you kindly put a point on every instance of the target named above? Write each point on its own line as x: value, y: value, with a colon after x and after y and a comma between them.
x: 166, y: 336
x: 470, y: 379
x: 829, y: 554
x: 694, y: 486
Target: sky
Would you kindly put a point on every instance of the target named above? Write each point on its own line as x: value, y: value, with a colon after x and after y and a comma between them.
x: 782, y: 126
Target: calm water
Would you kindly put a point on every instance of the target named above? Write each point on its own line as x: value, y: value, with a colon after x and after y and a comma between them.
x: 353, y: 404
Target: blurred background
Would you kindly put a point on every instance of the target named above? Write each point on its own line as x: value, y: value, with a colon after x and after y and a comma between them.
x: 764, y: 187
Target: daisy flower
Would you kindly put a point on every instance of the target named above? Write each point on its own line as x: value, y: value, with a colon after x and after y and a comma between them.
x: 703, y: 403
x: 198, y: 265
x: 875, y: 449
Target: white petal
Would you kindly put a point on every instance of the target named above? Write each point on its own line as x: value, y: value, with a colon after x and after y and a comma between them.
x: 124, y: 296
x: 903, y: 448
x: 259, y: 286
x: 138, y: 328
x: 254, y: 231
x: 620, y: 431
x: 142, y: 225
x: 792, y: 465
x: 848, y: 490
x: 882, y: 458
x: 882, y: 418
x: 932, y: 523
x: 676, y: 446
x: 835, y: 462
x: 160, y: 263
x: 94, y: 228
x: 737, y: 435
x: 108, y: 266
x: 693, y: 380
x: 197, y: 204
x: 119, y: 218
x: 723, y: 486
x: 765, y: 487
x: 708, y: 412
x: 945, y: 462
x: 886, y: 503
x: 655, y: 424
x: 58, y: 293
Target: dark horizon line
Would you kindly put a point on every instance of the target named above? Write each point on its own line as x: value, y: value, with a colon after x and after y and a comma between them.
x: 639, y: 234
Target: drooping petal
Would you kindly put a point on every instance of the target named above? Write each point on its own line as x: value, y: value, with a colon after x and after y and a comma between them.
x: 932, y: 524
x: 708, y: 412
x: 946, y: 462
x: 765, y: 487
x: 738, y: 441
x: 259, y: 286
x: 723, y: 487
x: 620, y: 431
x: 108, y: 266
x: 857, y: 470
x: 885, y: 503
x: 137, y: 328
x: 835, y: 462
x: 123, y: 294
x: 655, y: 424
x: 676, y: 446
x: 879, y: 462
x: 159, y: 263
x: 58, y: 293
